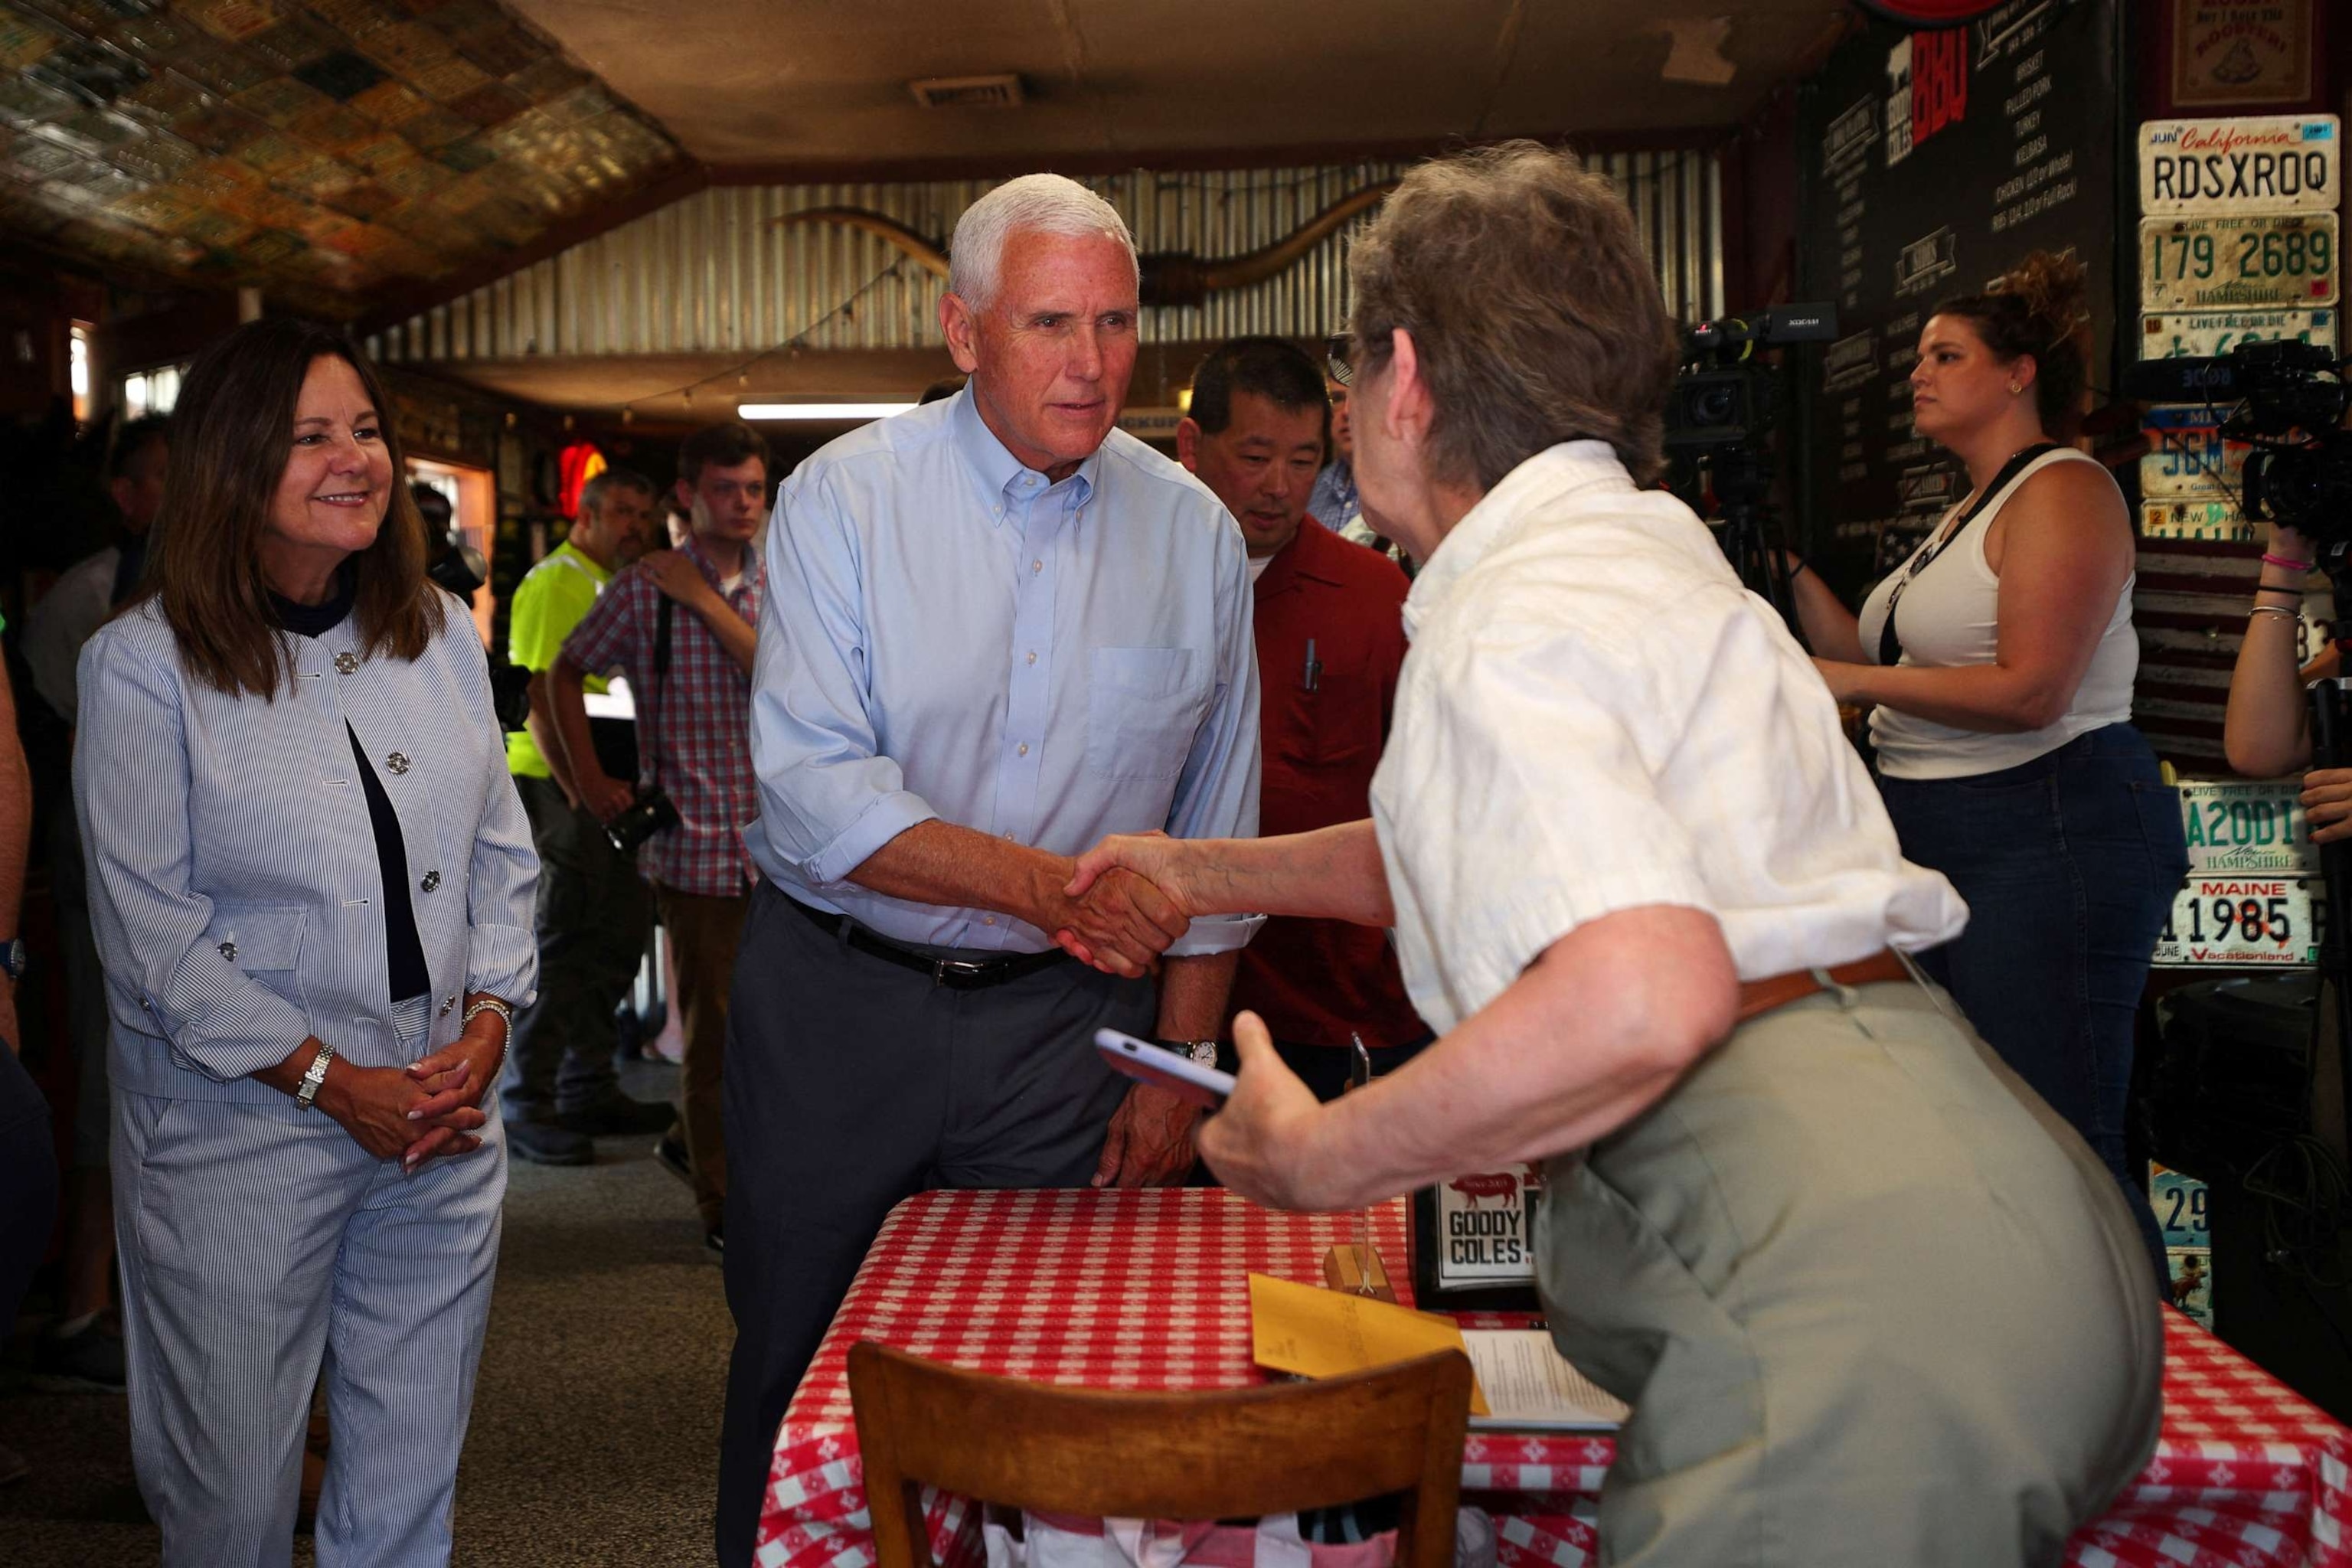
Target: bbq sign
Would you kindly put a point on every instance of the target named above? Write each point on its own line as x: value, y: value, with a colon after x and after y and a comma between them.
x: 2257, y: 164
x: 1485, y: 1227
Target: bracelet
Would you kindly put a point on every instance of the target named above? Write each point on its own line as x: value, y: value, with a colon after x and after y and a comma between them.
x: 2270, y: 560
x: 488, y: 1004
x: 2278, y: 588
x: 313, y: 1076
x: 1800, y: 564
x: 2278, y: 610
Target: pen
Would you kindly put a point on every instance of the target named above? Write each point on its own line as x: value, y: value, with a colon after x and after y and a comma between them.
x: 1314, y: 671
x: 1360, y: 1074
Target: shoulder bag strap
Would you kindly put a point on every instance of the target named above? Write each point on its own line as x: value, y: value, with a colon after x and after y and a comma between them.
x: 1890, y: 645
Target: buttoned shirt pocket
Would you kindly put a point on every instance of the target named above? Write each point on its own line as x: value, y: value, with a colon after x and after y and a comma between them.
x: 263, y: 939
x: 1143, y: 707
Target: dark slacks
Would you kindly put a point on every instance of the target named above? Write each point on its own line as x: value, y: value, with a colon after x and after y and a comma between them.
x: 592, y: 914
x: 29, y: 1181
x: 852, y: 1084
x: 704, y: 930
x: 2069, y: 864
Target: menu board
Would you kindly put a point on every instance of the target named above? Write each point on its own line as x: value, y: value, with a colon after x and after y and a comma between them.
x: 1935, y: 161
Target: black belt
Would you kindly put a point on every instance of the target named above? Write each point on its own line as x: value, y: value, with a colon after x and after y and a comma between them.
x: 955, y: 974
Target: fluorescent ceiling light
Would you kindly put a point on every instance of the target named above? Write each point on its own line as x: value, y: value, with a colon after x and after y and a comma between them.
x: 820, y: 410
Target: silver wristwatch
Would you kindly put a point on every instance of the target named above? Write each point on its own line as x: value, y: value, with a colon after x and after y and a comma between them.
x: 1202, y: 1052
x: 313, y: 1076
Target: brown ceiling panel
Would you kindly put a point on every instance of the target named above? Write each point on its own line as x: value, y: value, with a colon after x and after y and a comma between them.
x: 327, y: 151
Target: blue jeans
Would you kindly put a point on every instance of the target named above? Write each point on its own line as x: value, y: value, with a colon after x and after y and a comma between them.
x: 2069, y: 864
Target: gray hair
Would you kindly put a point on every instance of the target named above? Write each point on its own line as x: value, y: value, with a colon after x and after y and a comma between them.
x: 1038, y: 203
x: 1534, y: 311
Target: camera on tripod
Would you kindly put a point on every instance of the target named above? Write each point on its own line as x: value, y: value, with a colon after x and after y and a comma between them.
x: 2287, y: 402
x: 461, y: 569
x: 1720, y: 415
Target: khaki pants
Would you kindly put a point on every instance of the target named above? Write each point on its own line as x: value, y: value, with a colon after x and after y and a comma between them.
x: 703, y: 931
x: 1873, y: 1303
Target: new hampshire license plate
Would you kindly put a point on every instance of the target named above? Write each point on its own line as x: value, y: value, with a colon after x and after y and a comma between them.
x: 2274, y: 259
x: 2245, y: 922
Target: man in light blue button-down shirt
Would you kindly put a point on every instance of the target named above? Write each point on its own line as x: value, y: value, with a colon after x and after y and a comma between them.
x: 997, y: 628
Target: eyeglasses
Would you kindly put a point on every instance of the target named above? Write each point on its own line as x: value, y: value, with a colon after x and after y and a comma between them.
x: 1340, y: 358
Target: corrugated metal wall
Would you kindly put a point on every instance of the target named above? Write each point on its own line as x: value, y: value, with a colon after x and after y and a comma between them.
x: 715, y: 273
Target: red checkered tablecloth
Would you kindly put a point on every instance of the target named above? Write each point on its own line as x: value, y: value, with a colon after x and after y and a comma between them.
x: 1145, y: 1290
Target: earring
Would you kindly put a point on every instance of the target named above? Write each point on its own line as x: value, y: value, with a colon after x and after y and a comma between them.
x: 2015, y: 389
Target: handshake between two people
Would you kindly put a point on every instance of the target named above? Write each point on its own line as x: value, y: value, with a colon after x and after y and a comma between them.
x: 1127, y: 899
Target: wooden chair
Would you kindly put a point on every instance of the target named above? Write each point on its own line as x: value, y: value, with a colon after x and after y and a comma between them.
x: 1220, y: 1454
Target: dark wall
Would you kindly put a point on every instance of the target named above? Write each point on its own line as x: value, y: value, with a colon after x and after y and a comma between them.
x: 1927, y: 178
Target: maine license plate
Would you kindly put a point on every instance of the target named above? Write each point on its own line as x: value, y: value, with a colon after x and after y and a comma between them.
x: 2201, y: 334
x: 2230, y: 263
x: 2188, y: 458
x: 2241, y: 922
x: 2213, y: 519
x: 2243, y: 162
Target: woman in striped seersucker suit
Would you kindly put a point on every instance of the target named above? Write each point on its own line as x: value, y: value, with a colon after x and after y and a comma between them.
x: 310, y: 882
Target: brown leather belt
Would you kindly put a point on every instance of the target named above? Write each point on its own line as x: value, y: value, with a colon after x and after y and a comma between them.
x: 1758, y: 998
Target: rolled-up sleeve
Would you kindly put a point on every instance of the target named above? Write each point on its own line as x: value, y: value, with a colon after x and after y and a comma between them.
x: 502, y: 950
x: 1216, y: 794
x: 130, y: 793
x: 828, y: 800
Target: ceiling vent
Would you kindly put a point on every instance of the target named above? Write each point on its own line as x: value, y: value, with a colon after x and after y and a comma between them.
x: 1001, y: 91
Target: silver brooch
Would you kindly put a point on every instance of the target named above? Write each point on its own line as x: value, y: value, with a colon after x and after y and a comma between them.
x: 347, y: 662
x: 397, y: 761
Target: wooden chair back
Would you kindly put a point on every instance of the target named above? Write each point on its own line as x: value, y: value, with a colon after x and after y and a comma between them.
x: 1225, y: 1453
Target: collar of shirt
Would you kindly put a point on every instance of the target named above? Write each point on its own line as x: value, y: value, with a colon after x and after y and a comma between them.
x: 1304, y: 557
x: 1551, y: 473
x: 1004, y: 478
x: 694, y: 552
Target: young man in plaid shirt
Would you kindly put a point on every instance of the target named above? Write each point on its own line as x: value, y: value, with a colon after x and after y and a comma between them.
x: 693, y: 727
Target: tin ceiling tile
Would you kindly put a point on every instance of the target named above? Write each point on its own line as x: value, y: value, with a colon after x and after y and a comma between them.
x: 342, y: 75
x: 23, y: 40
x: 295, y: 42
x: 450, y: 78
x: 233, y: 21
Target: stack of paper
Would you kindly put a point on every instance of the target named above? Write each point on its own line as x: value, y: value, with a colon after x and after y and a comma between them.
x: 1523, y: 1384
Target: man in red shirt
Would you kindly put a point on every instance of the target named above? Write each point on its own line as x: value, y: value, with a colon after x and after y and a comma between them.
x: 1330, y: 639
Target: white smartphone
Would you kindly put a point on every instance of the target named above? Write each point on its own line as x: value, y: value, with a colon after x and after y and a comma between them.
x: 1163, y: 1068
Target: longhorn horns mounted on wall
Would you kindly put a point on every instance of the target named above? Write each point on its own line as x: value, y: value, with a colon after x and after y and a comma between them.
x: 1170, y: 278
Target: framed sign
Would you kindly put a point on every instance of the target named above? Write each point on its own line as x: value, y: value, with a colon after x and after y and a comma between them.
x: 1472, y: 1246
x: 2225, y: 53
x: 2267, y: 260
x: 2246, y: 164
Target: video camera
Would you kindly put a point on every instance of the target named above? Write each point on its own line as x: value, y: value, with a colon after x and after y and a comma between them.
x: 461, y: 569
x: 2287, y: 402
x: 1719, y: 417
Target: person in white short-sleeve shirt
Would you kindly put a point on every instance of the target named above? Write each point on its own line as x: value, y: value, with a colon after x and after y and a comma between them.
x: 1648, y: 897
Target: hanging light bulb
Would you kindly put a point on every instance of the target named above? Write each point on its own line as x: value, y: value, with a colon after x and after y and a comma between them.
x: 689, y: 397
x: 628, y: 415
x: 743, y: 382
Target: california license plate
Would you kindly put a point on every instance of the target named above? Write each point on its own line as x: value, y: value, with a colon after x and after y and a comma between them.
x: 2201, y: 334
x: 2239, y: 922
x: 2212, y: 520
x: 2230, y: 263
x: 2245, y: 162
x: 2188, y: 458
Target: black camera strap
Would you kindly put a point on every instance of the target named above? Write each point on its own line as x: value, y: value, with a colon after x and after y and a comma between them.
x: 661, y: 685
x: 1890, y: 645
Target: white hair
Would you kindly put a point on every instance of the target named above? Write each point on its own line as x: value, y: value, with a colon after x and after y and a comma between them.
x: 1037, y: 204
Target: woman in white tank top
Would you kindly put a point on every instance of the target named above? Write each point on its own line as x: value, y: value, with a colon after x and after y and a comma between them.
x: 1999, y: 660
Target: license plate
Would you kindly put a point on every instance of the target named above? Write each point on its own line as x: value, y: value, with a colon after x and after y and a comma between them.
x: 2212, y: 520
x: 2201, y: 334
x: 2242, y: 827
x: 2188, y: 458
x: 2225, y: 263
x: 2253, y: 923
x: 2256, y: 162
